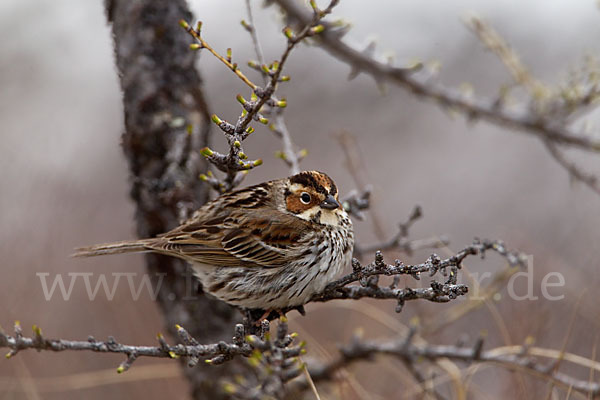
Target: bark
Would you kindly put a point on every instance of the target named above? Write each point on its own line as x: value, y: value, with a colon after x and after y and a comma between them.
x: 161, y: 97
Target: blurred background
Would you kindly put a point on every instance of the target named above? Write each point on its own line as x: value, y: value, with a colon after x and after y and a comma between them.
x: 64, y: 182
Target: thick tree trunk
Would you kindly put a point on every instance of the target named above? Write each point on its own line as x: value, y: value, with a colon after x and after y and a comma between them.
x: 162, y: 97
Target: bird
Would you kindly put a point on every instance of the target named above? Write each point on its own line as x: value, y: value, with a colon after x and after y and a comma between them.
x: 271, y: 246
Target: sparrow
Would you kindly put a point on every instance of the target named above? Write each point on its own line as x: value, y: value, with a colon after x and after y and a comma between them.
x: 269, y: 246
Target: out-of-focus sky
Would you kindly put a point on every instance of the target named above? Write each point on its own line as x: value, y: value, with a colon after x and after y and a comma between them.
x: 64, y: 179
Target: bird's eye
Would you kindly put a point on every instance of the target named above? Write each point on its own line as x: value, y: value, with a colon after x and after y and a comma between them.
x: 305, y: 198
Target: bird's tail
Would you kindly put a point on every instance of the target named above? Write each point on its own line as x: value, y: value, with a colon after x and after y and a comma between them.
x: 128, y: 246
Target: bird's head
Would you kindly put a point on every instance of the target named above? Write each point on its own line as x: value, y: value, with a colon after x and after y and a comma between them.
x: 313, y: 196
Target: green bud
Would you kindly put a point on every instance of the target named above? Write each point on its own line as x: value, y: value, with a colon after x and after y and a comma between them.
x: 199, y: 27
x: 206, y: 152
x: 288, y: 32
x: 249, y: 130
x: 258, y: 162
x: 285, y: 78
x: 265, y: 69
x: 263, y: 120
x: 195, y: 46
x: 216, y: 119
x: 282, y: 103
x: 184, y: 24
x: 252, y: 64
x: 120, y: 370
x: 242, y: 155
x: 237, y: 144
x: 37, y: 330
x: 229, y: 388
x: 317, y: 29
x: 241, y: 99
x: 229, y: 54
x: 203, y: 177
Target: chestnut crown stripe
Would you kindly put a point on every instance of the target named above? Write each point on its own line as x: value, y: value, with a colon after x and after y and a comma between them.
x: 308, y: 179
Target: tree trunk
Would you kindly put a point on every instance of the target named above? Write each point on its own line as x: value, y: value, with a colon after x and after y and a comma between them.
x: 162, y: 98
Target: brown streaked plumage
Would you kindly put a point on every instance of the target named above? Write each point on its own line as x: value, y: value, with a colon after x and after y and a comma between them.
x: 269, y: 246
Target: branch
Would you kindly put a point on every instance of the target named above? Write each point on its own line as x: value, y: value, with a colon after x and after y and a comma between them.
x: 216, y: 353
x: 422, y: 85
x: 400, y: 240
x: 511, y: 357
x: 235, y: 160
x: 570, y: 100
x: 367, y: 276
x: 213, y: 354
x: 573, y: 170
x: 289, y: 155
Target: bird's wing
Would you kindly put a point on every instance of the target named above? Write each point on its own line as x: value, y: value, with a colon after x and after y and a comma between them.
x: 260, y: 239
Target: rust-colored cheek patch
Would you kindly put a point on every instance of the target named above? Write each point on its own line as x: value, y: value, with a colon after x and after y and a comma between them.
x: 294, y: 205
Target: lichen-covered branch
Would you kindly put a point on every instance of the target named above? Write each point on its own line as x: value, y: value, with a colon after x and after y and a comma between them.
x: 214, y: 354
x: 166, y: 124
x: 275, y: 360
x: 368, y: 275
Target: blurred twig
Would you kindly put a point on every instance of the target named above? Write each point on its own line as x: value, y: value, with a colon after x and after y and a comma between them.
x: 541, y: 101
x: 545, y: 117
x: 400, y: 241
x: 521, y: 358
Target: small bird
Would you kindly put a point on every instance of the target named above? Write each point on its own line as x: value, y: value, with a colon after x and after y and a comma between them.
x: 269, y: 246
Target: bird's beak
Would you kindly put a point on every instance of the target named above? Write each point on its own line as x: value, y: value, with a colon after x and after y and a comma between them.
x: 330, y: 203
